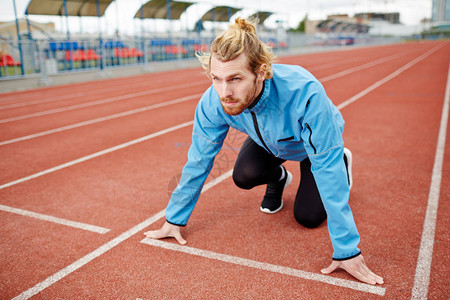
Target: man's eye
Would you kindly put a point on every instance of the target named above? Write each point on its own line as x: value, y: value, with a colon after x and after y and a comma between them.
x: 236, y: 79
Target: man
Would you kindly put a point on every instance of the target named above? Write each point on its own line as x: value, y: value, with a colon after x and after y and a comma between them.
x: 287, y: 116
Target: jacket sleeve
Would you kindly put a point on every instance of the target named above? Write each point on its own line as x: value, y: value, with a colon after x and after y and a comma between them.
x: 322, y: 127
x: 207, y: 139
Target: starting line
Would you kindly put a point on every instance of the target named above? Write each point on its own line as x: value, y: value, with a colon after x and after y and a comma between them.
x: 354, y: 285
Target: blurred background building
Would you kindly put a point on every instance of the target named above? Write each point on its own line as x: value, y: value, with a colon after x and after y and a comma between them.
x: 82, y: 39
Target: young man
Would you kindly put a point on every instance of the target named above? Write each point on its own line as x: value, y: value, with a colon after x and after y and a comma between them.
x: 287, y: 116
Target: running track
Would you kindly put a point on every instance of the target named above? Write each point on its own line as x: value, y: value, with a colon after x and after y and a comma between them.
x: 87, y: 168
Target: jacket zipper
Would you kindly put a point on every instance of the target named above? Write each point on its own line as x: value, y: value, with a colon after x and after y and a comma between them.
x: 310, y: 141
x: 255, y: 122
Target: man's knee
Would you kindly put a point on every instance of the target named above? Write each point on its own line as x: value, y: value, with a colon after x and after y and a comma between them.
x: 310, y: 220
x: 242, y: 180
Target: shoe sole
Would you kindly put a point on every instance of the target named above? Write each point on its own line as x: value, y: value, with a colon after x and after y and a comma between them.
x: 288, y: 182
x: 349, y: 156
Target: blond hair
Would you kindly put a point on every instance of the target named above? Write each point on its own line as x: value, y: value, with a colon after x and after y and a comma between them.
x: 240, y: 38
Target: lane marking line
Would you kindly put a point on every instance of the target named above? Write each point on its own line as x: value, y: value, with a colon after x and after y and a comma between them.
x: 361, y: 67
x: 363, y: 287
x: 96, y: 154
x: 327, y: 78
x: 87, y: 258
x: 142, y: 83
x: 423, y: 268
x: 52, y: 219
x: 351, y: 60
x: 102, y: 101
x: 89, y: 122
x: 389, y: 77
x: 101, y: 119
x: 106, y: 247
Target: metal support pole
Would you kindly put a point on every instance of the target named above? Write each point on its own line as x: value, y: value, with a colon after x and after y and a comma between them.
x: 99, y: 21
x: 30, y: 39
x: 68, y: 36
x: 102, y: 54
x: 169, y: 17
x: 67, y: 20
x: 141, y: 13
x: 18, y: 39
x: 28, y: 27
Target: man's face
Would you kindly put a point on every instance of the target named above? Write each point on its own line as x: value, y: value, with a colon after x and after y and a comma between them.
x: 236, y: 85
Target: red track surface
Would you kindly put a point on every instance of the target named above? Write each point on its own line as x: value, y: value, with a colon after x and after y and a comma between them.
x: 392, y: 129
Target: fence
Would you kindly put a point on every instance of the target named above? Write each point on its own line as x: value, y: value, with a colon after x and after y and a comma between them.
x: 24, y: 58
x: 18, y: 59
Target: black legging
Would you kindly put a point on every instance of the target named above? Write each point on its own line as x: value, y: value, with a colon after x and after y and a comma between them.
x: 255, y: 166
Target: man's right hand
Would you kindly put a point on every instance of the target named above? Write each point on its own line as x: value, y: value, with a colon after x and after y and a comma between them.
x: 167, y: 230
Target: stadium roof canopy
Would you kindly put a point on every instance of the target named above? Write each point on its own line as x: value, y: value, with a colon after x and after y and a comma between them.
x: 81, y: 8
x: 261, y: 15
x: 220, y: 14
x: 157, y: 9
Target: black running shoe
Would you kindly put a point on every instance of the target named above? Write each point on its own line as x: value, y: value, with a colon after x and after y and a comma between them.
x: 272, y: 201
x: 348, y: 163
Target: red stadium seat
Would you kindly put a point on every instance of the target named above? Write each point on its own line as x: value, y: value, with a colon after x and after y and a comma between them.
x: 92, y: 55
x: 174, y: 49
x: 77, y: 55
x: 200, y: 47
x: 136, y: 53
x: 8, y: 60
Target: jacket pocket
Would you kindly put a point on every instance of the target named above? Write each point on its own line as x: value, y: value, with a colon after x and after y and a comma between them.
x: 286, y: 139
x: 310, y: 138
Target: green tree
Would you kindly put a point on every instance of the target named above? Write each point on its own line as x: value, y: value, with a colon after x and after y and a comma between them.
x: 301, y: 25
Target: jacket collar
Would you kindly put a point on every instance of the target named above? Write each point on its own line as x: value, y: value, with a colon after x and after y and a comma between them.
x: 259, y: 102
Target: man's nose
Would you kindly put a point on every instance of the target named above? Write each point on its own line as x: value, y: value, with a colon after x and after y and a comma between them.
x: 226, y: 91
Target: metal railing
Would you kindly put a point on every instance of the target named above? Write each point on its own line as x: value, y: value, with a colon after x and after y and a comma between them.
x: 48, y: 57
x: 44, y: 58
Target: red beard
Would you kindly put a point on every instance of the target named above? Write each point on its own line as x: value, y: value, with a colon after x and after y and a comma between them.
x: 235, y: 109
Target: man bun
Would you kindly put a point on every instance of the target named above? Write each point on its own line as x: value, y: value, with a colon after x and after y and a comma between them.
x: 247, y: 26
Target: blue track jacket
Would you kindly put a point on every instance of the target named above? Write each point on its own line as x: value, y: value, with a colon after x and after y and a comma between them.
x: 293, y: 119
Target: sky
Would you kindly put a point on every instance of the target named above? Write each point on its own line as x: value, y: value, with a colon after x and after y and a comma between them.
x: 119, y: 14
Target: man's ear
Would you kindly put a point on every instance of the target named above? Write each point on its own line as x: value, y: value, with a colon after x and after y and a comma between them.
x: 262, y: 72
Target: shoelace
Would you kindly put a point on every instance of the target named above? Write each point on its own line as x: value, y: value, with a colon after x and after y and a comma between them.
x: 276, y: 189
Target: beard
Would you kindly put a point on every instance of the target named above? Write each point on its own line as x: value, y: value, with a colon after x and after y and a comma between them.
x: 239, y: 104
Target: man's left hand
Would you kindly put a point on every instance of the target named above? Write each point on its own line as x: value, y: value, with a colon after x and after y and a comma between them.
x: 357, y: 268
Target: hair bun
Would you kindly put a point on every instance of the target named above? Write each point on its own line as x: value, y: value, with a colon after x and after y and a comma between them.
x: 247, y: 26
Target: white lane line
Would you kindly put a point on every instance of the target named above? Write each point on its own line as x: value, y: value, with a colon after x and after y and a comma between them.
x: 117, y: 87
x: 96, y: 154
x: 102, y: 101
x: 89, y: 257
x: 363, y: 287
x: 62, y: 109
x: 423, y: 268
x: 390, y: 76
x: 106, y: 247
x: 98, y: 120
x: 362, y: 67
x: 68, y: 127
x: 216, y: 181
x: 52, y: 219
